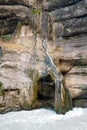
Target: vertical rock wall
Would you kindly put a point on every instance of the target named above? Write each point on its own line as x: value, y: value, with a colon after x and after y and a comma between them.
x: 62, y: 21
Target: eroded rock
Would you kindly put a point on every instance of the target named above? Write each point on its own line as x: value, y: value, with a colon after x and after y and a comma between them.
x: 34, y: 77
x: 15, y: 80
x: 12, y: 2
x: 55, y: 4
x: 77, y: 10
x: 71, y: 58
x: 70, y: 28
x: 58, y: 19
x: 8, y: 23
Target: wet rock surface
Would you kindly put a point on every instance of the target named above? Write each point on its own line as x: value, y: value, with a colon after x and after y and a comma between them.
x: 62, y: 21
x: 28, y: 73
x: 71, y: 58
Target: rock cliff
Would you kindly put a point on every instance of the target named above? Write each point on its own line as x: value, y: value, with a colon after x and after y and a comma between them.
x: 23, y: 24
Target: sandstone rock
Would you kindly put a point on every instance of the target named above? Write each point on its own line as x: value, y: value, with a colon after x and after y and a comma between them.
x: 22, y: 71
x: 17, y: 86
x: 44, y: 24
x: 20, y: 11
x: 5, y: 14
x: 69, y: 53
x: 27, y: 3
x: 77, y: 84
x: 69, y: 28
x: 39, y: 21
x: 69, y: 21
x: 77, y: 10
x: 55, y: 4
x: 71, y: 58
x: 10, y: 15
x: 80, y: 103
x: 8, y: 23
x: 11, y: 2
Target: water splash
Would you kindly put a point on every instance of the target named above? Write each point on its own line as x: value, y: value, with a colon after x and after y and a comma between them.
x: 44, y: 119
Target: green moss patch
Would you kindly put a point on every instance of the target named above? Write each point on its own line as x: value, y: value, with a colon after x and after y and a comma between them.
x: 6, y: 37
x: 1, y: 89
x: 34, y: 76
x: 36, y: 11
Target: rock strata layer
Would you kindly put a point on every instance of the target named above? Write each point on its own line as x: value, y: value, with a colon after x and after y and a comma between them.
x: 71, y: 58
x: 62, y: 21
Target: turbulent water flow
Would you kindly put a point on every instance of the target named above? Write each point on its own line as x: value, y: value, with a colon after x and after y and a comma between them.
x: 44, y: 119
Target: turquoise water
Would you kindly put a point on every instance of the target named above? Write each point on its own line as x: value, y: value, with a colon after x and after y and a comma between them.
x: 44, y: 119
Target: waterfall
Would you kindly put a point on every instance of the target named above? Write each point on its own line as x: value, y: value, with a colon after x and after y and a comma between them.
x: 51, y: 63
x: 61, y: 91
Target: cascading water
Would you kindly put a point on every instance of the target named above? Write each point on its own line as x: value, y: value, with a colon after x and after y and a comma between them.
x: 62, y: 100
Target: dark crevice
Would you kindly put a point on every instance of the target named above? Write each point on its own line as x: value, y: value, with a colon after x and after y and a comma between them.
x: 70, y: 18
x: 74, y: 62
x: 12, y: 90
x: 15, y: 4
x: 45, y: 90
x: 81, y: 16
x: 41, y: 97
x: 81, y: 96
x: 46, y: 78
x: 74, y: 34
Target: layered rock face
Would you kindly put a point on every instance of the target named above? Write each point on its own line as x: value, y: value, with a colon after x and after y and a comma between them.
x: 69, y: 24
x: 28, y: 79
x: 61, y: 21
x: 16, y: 90
x: 70, y: 21
x: 71, y: 58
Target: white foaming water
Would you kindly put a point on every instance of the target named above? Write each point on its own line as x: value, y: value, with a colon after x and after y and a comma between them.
x: 44, y: 119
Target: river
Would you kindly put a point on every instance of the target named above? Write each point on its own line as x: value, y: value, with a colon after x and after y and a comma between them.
x: 44, y: 119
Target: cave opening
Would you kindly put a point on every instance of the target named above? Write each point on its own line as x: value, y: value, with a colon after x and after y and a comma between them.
x: 46, y: 91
